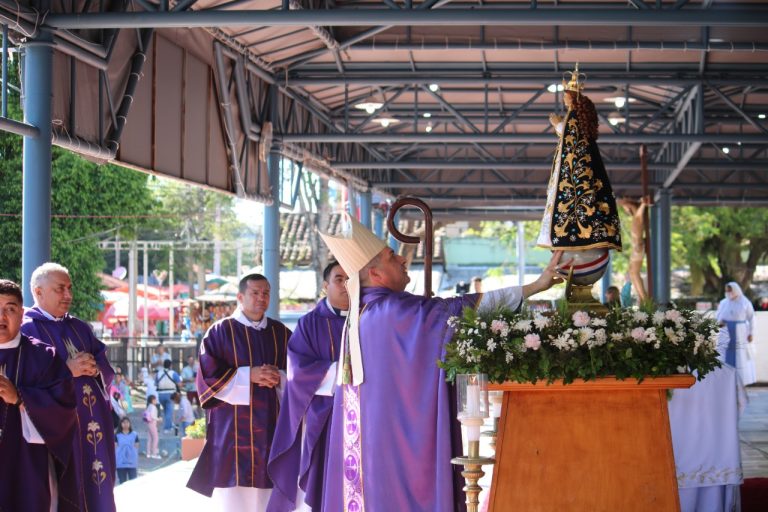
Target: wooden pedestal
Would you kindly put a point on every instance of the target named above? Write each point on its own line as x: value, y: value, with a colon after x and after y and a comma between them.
x: 597, y: 446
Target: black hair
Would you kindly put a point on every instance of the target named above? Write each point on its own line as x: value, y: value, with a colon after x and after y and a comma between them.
x: 167, y: 364
x: 8, y: 287
x: 328, y: 269
x: 120, y: 425
x: 243, y: 286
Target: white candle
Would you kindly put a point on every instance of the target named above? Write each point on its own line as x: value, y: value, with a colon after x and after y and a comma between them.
x: 473, y: 400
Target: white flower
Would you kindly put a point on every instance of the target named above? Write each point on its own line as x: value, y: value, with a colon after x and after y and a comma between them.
x: 638, y: 334
x: 564, y: 342
x: 491, y: 344
x: 509, y: 357
x: 523, y: 325
x: 540, y: 321
x: 674, y: 315
x: 617, y: 336
x: 672, y: 335
x: 585, y: 334
x: 640, y: 316
x: 532, y: 341
x: 599, y: 322
x: 483, y: 325
x: 658, y: 318
x: 580, y: 319
x: 600, y: 337
x: 453, y: 321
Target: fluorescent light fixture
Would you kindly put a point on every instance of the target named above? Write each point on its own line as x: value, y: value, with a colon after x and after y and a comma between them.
x: 434, y: 87
x: 369, y: 106
x: 386, y: 121
x: 427, y: 115
x: 726, y: 150
x: 761, y: 116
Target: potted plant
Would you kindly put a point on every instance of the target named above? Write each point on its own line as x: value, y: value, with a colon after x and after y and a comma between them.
x: 194, y: 440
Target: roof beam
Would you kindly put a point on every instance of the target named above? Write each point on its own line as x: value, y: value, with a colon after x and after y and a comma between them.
x: 412, y: 17
x: 519, y: 138
x: 429, y: 164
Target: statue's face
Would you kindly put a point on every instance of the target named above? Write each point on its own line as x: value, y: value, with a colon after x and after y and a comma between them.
x: 568, y: 99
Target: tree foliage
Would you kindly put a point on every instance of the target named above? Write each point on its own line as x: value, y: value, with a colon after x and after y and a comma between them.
x: 87, y: 202
x: 719, y: 245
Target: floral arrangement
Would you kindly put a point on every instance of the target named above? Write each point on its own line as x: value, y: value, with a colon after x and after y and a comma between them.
x: 625, y: 343
x: 197, y: 429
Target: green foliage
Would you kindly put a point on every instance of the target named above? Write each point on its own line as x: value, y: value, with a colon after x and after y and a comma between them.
x: 89, y: 202
x: 719, y: 245
x: 529, y: 347
x: 197, y: 429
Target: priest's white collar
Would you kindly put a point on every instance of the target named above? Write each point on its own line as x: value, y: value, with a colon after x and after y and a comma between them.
x: 13, y: 343
x: 48, y: 315
x: 239, y: 315
x: 335, y: 311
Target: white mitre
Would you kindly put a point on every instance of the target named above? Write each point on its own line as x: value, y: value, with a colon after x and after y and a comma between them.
x: 354, y: 249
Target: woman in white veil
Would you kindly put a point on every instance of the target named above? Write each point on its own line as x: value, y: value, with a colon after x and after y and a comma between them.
x: 735, y: 315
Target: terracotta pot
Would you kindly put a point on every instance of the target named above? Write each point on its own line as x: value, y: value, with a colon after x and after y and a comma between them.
x: 191, y: 448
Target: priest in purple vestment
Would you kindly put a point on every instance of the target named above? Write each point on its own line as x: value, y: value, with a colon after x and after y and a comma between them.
x: 391, y: 432
x: 86, y: 357
x: 242, y: 371
x: 37, y: 418
x: 298, y: 455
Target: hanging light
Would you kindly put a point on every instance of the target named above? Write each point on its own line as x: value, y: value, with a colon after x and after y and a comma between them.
x: 428, y: 129
x: 555, y: 87
x: 615, y: 118
x: 619, y: 101
x: 386, y: 121
x: 369, y: 106
x: 726, y: 150
x: 434, y: 87
x: 761, y: 116
x: 427, y: 115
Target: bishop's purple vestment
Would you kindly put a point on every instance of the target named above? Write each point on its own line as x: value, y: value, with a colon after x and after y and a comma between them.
x: 94, y: 443
x: 45, y: 387
x: 238, y: 437
x: 312, y: 349
x: 392, y: 437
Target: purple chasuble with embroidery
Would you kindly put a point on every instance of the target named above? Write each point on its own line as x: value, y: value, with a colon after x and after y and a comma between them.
x: 313, y: 347
x: 45, y: 387
x: 392, y: 437
x: 94, y: 443
x: 238, y: 437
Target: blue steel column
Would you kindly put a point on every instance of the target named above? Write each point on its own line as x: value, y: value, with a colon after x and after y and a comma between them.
x: 365, y: 209
x: 378, y: 223
x: 662, y: 237
x: 271, y: 254
x: 36, y: 166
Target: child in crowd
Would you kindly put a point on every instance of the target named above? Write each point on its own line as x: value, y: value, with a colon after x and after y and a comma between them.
x: 186, y: 415
x: 127, y: 451
x: 151, y: 418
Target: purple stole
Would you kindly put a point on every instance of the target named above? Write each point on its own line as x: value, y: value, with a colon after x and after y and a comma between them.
x: 45, y: 386
x: 313, y: 347
x: 94, y: 443
x: 238, y: 437
x: 394, y: 435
